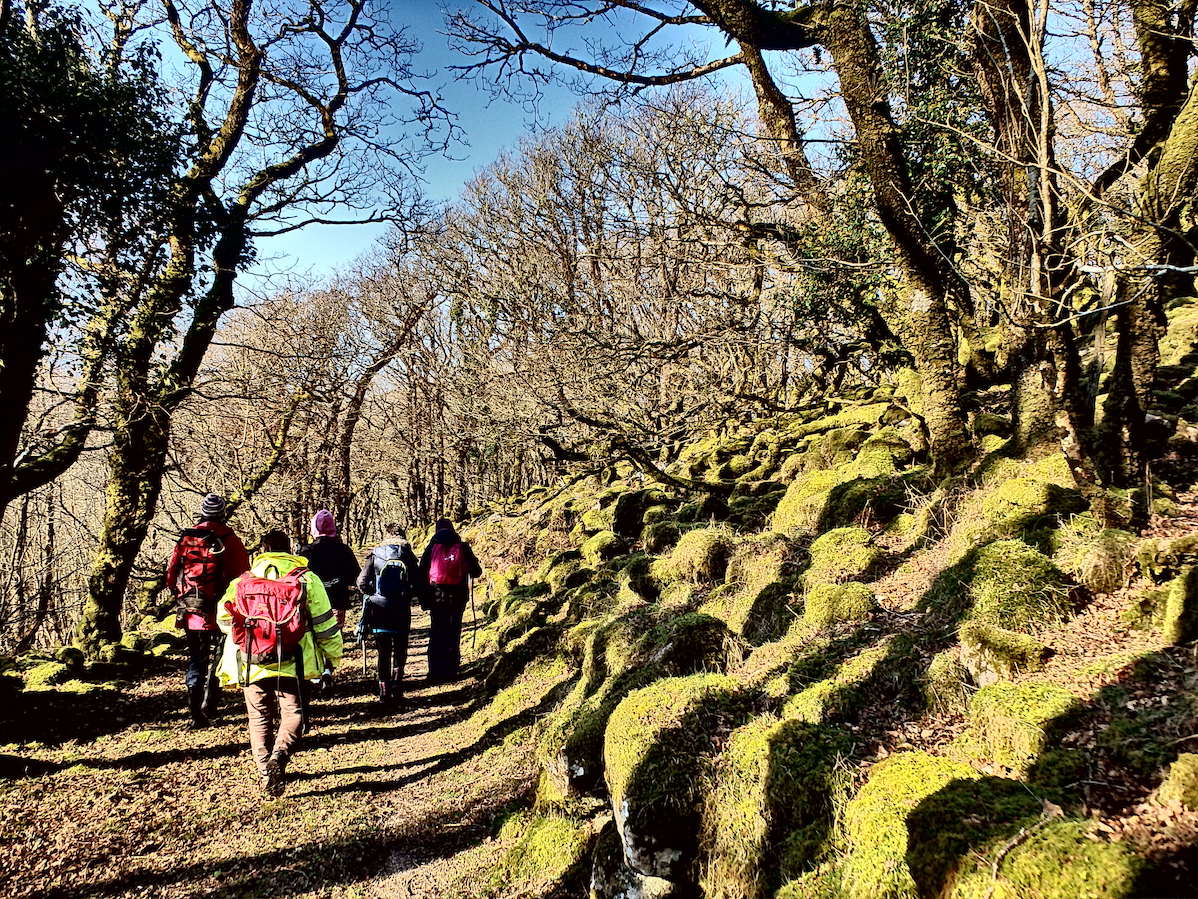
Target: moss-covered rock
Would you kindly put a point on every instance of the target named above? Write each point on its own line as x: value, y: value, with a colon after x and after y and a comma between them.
x: 1013, y: 586
x: 659, y: 536
x: 628, y: 513
x: 1099, y: 558
x: 701, y: 556
x: 601, y: 547
x: 72, y: 657
x: 595, y: 520
x: 652, y: 748
x: 1013, y: 721
x: 1014, y: 500
x: 546, y: 851
x: 801, y: 509
x: 876, y: 823
x: 945, y: 682
x: 881, y: 455
x: 768, y: 811
x: 757, y: 600
x: 986, y: 424
x: 1181, y: 782
x: 750, y: 512
x: 1181, y: 607
x: 839, y: 697
x: 1062, y: 859
x: 47, y: 674
x: 611, y: 878
x: 841, y: 554
x: 828, y: 604
x: 991, y: 654
x: 708, y: 508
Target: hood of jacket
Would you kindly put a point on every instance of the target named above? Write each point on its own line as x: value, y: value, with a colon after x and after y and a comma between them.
x: 283, y: 563
x: 446, y: 537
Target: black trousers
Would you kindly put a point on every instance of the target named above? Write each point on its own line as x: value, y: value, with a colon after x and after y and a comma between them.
x: 201, y: 647
x: 445, y: 639
x: 392, y: 651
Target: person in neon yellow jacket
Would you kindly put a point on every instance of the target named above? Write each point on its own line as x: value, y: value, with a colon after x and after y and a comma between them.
x: 271, y: 690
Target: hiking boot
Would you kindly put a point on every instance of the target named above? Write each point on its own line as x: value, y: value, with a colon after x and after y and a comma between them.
x: 273, y: 774
x: 326, y: 685
x: 198, y: 721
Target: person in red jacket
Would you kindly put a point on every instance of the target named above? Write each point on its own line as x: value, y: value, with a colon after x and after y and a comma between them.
x: 205, y: 560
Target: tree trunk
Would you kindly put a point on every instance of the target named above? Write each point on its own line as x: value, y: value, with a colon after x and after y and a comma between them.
x: 925, y: 323
x: 136, y: 464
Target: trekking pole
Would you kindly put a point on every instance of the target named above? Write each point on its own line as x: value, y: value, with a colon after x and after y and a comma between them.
x: 473, y: 620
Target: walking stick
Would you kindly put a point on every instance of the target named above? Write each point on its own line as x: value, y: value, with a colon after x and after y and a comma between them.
x: 473, y: 620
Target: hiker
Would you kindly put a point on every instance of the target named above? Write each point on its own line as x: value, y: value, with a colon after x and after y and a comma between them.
x: 281, y: 631
x: 446, y: 568
x: 337, y: 567
x: 388, y: 582
x: 205, y: 560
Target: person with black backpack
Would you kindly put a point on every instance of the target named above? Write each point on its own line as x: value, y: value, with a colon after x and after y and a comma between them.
x: 281, y: 631
x: 388, y: 583
x: 446, y: 569
x: 205, y: 560
x: 336, y: 566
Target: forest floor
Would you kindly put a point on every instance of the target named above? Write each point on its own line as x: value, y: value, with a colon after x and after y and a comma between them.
x: 125, y: 800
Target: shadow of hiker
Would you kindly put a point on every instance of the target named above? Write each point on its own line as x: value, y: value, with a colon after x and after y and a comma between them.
x: 1104, y: 755
x: 314, y: 866
x: 493, y: 735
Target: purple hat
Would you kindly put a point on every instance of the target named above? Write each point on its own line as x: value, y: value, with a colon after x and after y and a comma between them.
x: 323, y: 524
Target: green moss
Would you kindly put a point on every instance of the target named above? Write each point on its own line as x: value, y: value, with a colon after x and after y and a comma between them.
x: 841, y: 554
x: 908, y: 386
x: 1012, y: 721
x: 73, y: 657
x: 1181, y: 607
x: 1100, y: 558
x: 828, y: 604
x: 840, y: 696
x: 1181, y: 335
x: 628, y: 513
x: 595, y: 520
x: 946, y: 682
x: 882, y: 455
x: 757, y: 601
x: 1063, y: 859
x: 701, y: 556
x: 1181, y: 783
x: 876, y: 823
x: 547, y: 851
x: 1012, y: 585
x: 802, y: 507
x: 691, y: 642
x: 986, y: 424
x: 771, y: 787
x: 991, y: 654
x: 709, y: 508
x: 601, y: 547
x: 637, y: 576
x: 47, y: 674
x: 750, y: 512
x: 652, y: 748
x: 659, y: 536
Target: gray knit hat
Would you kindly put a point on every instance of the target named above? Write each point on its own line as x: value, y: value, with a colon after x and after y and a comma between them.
x: 213, y: 506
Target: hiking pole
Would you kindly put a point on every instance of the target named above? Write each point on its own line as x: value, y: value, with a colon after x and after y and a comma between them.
x: 473, y: 620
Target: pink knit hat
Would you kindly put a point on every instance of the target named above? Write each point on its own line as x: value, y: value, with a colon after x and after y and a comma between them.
x: 323, y: 524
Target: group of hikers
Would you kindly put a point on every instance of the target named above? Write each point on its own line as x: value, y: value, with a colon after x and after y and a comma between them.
x: 274, y: 624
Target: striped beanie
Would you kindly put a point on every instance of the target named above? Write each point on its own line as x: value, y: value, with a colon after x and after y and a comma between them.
x: 213, y: 506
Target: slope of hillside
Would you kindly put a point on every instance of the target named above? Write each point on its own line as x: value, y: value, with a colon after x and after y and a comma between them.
x: 802, y: 668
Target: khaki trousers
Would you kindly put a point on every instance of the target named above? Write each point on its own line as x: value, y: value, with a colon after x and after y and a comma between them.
x: 276, y: 718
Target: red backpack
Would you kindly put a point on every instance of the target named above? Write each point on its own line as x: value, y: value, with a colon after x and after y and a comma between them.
x: 199, y: 569
x: 447, y: 565
x: 269, y: 616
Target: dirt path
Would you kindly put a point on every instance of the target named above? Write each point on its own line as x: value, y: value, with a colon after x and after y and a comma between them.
x: 129, y: 802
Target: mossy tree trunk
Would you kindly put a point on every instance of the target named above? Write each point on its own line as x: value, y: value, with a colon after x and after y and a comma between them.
x: 926, y: 324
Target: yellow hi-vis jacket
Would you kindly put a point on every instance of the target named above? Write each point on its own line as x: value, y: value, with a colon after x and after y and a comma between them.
x: 321, y: 642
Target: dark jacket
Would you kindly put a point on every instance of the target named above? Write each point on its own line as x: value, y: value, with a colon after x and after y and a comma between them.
x: 377, y: 612
x: 336, y: 566
x: 452, y: 593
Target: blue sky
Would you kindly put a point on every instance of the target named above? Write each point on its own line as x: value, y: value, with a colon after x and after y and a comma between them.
x: 490, y: 125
